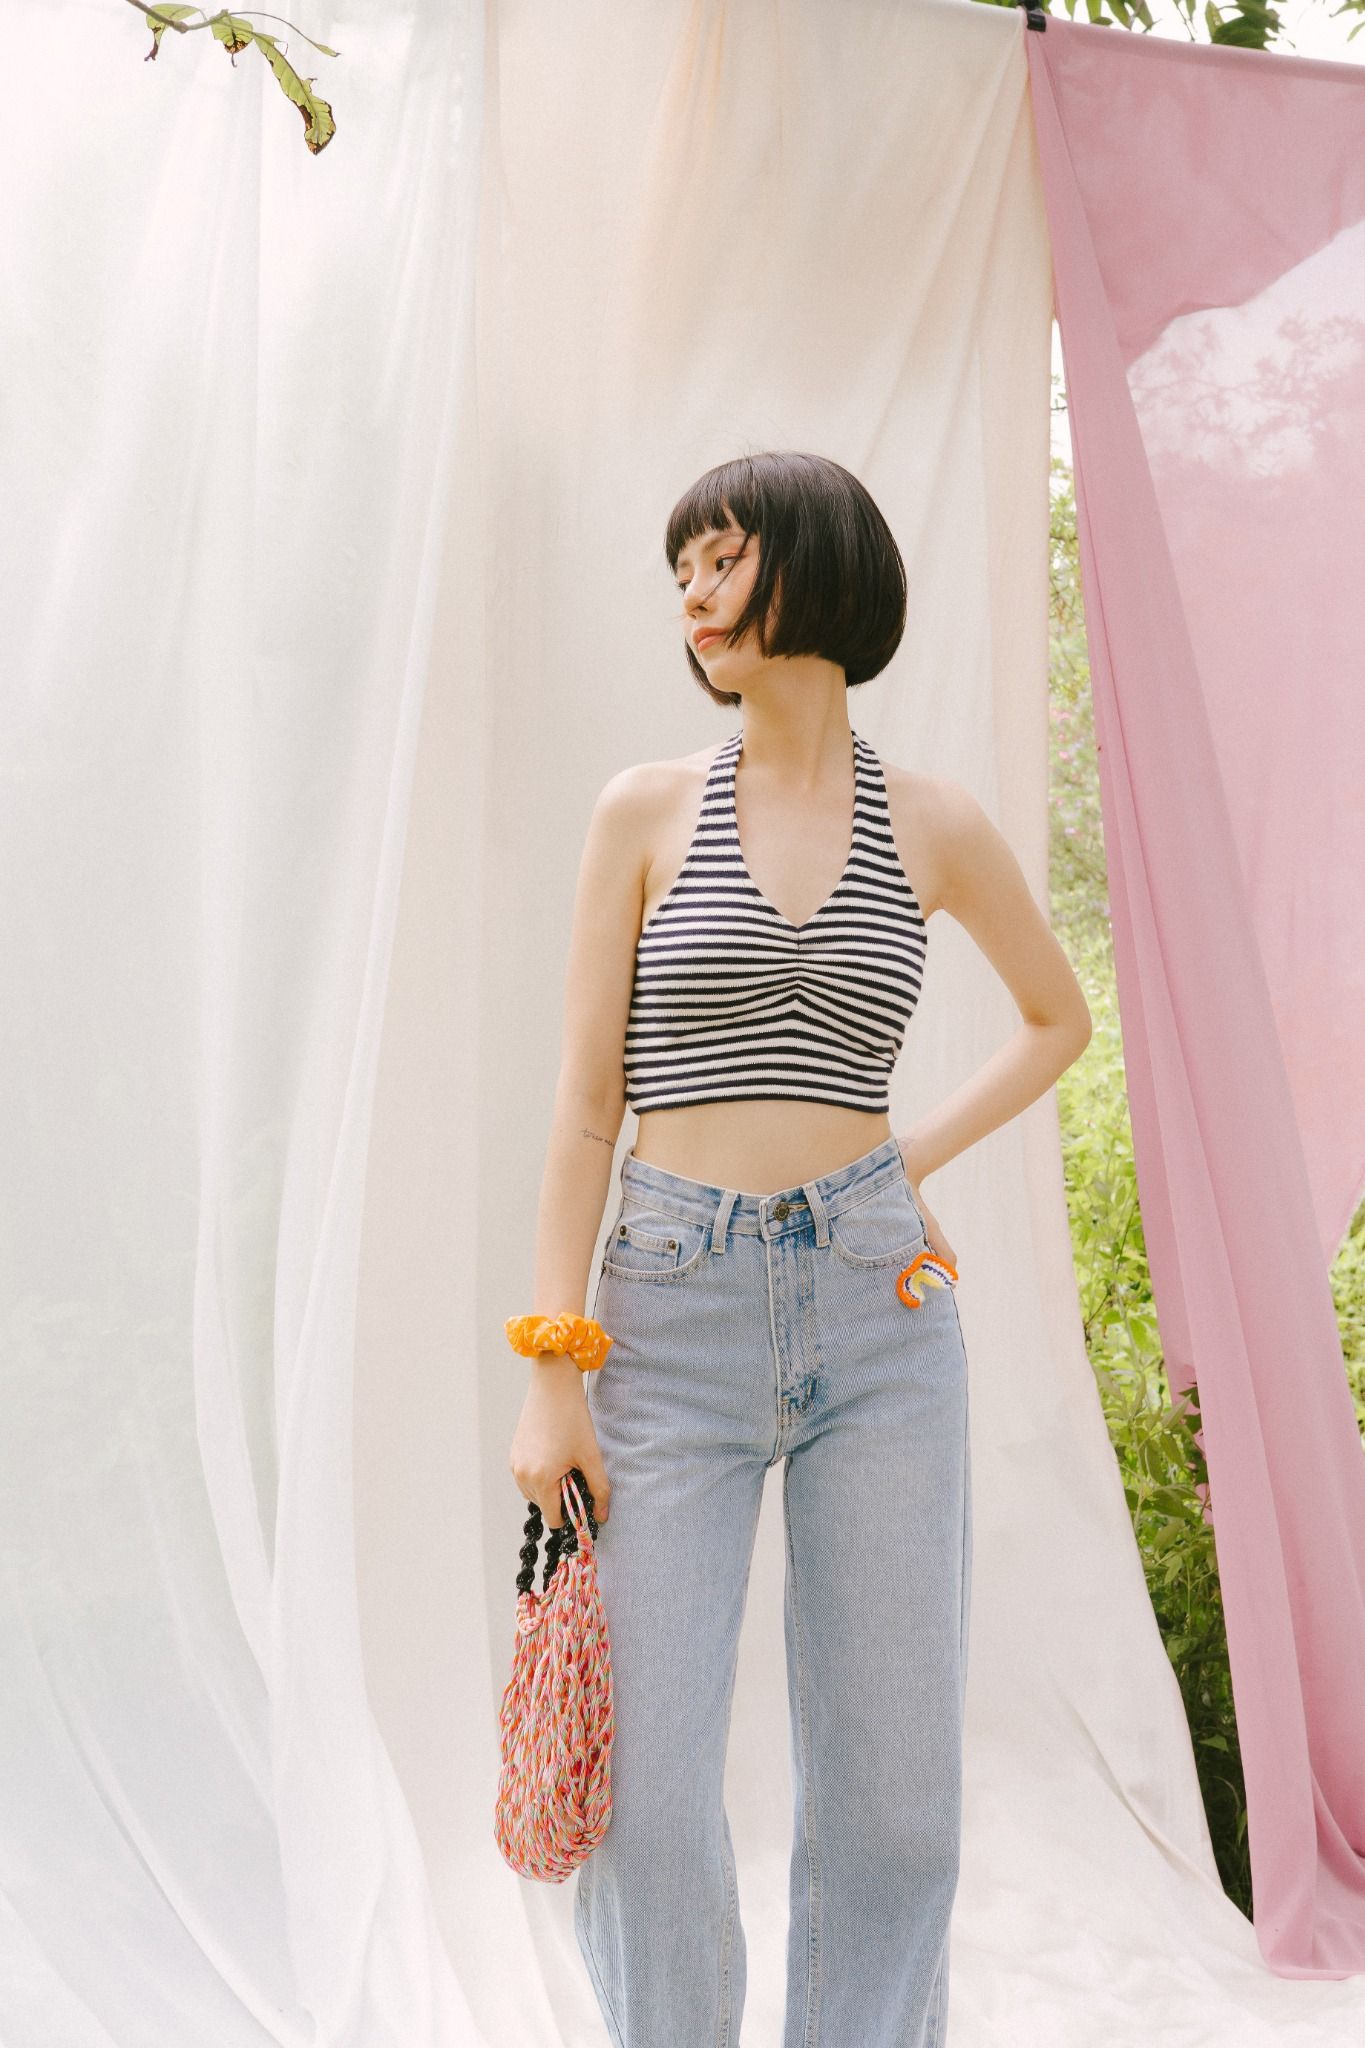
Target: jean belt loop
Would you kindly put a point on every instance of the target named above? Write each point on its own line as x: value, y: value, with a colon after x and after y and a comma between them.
x: 811, y: 1190
x: 720, y: 1222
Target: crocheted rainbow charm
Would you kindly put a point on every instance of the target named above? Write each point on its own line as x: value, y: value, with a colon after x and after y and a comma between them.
x: 932, y: 1271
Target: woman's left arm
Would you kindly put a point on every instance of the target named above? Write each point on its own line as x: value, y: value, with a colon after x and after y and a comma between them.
x: 982, y: 885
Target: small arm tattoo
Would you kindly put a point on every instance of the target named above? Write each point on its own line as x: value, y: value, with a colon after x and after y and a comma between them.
x: 586, y: 1133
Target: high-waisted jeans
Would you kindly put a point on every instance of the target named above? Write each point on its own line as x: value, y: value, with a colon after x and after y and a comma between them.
x: 749, y: 1328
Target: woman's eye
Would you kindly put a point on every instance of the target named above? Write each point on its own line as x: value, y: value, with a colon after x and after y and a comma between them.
x: 719, y: 560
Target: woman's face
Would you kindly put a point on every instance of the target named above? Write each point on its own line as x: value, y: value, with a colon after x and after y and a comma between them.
x: 715, y: 574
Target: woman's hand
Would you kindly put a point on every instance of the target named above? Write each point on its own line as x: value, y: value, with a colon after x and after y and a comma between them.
x: 554, y: 1433
x: 933, y: 1229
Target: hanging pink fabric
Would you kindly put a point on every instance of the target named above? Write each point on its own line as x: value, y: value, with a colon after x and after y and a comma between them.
x: 1207, y: 215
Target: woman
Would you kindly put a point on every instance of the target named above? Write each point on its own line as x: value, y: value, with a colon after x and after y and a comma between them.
x: 749, y: 941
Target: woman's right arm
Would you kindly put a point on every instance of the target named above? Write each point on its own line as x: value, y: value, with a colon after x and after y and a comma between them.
x: 555, y: 1429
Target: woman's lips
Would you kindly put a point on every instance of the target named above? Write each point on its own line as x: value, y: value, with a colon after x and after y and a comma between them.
x: 703, y: 638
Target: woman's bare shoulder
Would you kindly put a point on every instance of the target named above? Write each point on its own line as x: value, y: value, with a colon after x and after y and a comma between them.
x: 647, y: 812
x: 644, y: 792
x: 922, y: 787
x: 678, y: 767
x: 925, y: 810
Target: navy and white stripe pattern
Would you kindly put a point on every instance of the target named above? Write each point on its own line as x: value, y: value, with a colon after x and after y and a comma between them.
x: 732, y: 1002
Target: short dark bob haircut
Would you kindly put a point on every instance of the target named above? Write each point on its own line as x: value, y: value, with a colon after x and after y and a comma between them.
x: 829, y: 569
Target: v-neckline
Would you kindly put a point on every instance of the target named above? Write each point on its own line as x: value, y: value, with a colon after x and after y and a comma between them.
x: 767, y: 901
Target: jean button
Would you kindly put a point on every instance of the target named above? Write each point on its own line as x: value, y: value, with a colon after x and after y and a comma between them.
x: 782, y: 1211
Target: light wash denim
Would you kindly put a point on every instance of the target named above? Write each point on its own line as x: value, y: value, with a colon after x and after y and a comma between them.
x: 750, y: 1328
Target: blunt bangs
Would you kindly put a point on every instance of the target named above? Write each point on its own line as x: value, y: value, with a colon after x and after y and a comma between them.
x: 830, y: 582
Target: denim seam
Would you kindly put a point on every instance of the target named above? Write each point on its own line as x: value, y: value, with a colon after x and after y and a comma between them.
x: 882, y: 1188
x: 599, y: 1981
x: 667, y: 1275
x: 862, y: 1262
x: 726, y: 1948
x: 808, y: 1772
x: 777, y: 1354
x: 677, y: 1217
x: 634, y: 1235
x: 940, y: 1981
x: 962, y: 1579
x: 966, y: 1503
x: 731, y: 1876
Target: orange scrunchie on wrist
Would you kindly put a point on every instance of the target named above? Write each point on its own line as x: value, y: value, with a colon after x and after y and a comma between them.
x: 582, y: 1337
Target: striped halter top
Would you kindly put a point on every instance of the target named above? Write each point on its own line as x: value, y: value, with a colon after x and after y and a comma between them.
x: 733, y: 1002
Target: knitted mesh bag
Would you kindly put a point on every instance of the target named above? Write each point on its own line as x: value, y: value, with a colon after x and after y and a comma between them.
x: 554, y: 1790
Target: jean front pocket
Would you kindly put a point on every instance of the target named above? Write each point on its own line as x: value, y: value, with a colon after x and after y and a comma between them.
x: 881, y: 1229
x: 649, y: 1244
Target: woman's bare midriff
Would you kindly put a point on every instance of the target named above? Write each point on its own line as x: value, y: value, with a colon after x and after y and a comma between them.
x: 756, y: 1147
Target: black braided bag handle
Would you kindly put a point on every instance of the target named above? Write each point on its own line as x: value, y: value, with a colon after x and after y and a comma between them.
x: 559, y: 1542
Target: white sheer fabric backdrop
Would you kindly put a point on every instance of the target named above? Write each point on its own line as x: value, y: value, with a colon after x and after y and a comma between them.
x: 230, y: 369
x: 711, y: 230
x: 270, y: 494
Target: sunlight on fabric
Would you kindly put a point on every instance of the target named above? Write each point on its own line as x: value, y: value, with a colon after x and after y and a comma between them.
x: 1214, y: 330
x: 333, y: 525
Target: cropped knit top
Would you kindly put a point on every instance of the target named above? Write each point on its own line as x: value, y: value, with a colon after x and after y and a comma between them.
x: 733, y: 1002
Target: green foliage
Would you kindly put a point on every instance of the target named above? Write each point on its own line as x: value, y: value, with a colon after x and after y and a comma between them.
x: 1250, y: 24
x: 1165, y: 1479
x: 234, y: 32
